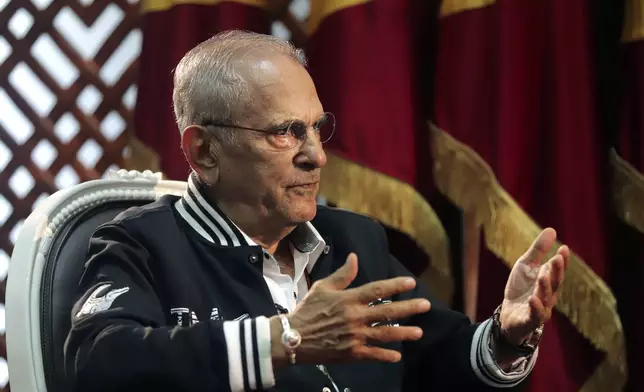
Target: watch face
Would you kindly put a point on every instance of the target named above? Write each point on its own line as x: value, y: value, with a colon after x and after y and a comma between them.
x: 534, y: 339
x: 291, y: 338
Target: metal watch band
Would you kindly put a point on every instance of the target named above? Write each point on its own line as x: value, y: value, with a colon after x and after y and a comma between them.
x: 291, y: 338
x: 527, y: 348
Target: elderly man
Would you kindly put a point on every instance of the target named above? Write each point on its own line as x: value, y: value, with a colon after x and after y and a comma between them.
x: 244, y: 283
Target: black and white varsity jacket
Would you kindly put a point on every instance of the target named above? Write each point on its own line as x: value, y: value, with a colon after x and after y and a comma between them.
x: 162, y: 307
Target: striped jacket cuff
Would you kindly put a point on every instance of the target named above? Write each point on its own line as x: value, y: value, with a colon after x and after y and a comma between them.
x: 485, y: 366
x: 248, y: 345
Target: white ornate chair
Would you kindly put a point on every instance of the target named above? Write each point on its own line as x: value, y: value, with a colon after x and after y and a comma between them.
x: 46, y: 266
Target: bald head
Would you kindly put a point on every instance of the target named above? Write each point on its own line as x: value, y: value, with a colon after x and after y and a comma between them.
x: 215, y: 80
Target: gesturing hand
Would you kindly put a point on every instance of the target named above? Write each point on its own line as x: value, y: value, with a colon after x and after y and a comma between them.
x: 532, y: 288
x: 335, y: 322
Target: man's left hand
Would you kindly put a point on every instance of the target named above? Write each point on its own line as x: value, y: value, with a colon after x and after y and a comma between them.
x: 533, y: 288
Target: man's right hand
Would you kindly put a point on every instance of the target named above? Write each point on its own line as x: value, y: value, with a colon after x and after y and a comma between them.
x: 335, y: 322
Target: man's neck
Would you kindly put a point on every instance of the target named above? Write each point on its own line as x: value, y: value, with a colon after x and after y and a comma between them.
x: 266, y: 231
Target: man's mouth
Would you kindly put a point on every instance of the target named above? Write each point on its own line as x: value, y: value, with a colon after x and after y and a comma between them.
x: 307, y: 185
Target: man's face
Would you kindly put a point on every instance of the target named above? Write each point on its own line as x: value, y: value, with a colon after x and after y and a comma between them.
x: 275, y: 182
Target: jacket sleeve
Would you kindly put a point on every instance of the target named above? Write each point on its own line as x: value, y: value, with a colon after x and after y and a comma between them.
x: 120, y: 340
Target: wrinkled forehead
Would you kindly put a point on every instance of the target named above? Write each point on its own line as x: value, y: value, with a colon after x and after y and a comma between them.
x: 282, y: 89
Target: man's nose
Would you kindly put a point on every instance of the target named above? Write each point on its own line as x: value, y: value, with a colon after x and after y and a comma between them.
x: 312, y: 151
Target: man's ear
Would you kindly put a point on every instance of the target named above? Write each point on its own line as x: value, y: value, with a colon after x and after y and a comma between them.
x: 198, y: 149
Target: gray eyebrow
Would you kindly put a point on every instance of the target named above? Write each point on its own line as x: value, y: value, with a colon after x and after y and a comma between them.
x: 276, y: 125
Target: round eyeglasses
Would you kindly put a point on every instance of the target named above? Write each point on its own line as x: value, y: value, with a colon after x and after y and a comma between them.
x: 292, y: 133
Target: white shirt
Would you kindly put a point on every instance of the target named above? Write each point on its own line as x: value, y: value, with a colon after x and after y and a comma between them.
x: 287, y: 291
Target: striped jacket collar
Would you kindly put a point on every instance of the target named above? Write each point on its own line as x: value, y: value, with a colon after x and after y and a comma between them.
x: 213, y: 225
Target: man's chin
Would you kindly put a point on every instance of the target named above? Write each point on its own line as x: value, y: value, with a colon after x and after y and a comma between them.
x: 301, y: 211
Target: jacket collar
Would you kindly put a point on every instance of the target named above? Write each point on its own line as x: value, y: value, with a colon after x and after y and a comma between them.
x: 207, y: 219
x: 213, y: 225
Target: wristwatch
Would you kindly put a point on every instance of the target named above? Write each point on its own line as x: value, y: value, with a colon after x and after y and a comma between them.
x: 526, y: 348
x: 291, y: 338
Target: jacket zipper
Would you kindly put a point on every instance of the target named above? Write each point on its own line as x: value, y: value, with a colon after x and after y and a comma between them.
x: 324, y: 370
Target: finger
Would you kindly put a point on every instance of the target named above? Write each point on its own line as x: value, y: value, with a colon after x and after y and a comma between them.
x: 538, y: 312
x: 343, y: 276
x: 375, y: 353
x: 382, y: 289
x: 387, y: 334
x: 394, y: 311
x: 541, y: 245
x: 544, y: 288
x: 556, y: 276
x: 564, y: 251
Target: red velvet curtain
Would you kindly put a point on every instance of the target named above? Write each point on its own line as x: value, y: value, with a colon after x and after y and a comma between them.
x: 515, y: 82
x: 369, y: 61
x: 364, y: 61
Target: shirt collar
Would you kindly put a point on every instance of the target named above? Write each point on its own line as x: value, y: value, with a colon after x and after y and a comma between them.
x: 213, y: 225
